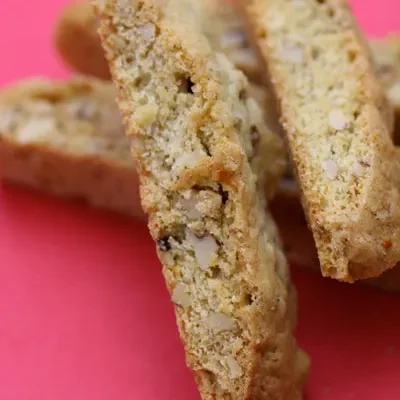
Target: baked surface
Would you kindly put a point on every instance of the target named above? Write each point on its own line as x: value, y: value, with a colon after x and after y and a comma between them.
x: 66, y: 138
x: 335, y: 117
x: 190, y: 117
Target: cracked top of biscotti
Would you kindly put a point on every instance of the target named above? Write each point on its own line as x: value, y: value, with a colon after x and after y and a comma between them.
x: 333, y: 111
x: 191, y: 120
x: 79, y: 116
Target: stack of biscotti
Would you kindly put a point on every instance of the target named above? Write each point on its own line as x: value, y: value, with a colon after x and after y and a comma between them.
x: 222, y: 259
x: 79, y: 17
x: 234, y: 41
x: 206, y: 158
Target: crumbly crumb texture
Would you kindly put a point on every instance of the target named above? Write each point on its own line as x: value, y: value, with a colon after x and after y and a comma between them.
x: 336, y: 120
x: 194, y: 129
x: 67, y: 138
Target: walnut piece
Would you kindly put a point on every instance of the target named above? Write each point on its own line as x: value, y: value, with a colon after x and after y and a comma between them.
x: 180, y: 297
x: 205, y: 248
x: 331, y: 169
x: 219, y: 322
x: 337, y: 120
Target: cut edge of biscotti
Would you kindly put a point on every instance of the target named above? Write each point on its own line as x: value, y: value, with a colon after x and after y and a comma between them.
x: 327, y: 92
x: 66, y: 138
x: 181, y: 103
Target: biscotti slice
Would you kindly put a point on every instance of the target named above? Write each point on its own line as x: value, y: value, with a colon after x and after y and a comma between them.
x: 190, y: 118
x: 332, y: 109
x: 76, y: 39
x: 67, y: 138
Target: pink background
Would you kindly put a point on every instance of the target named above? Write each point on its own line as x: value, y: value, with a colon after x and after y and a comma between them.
x: 84, y: 313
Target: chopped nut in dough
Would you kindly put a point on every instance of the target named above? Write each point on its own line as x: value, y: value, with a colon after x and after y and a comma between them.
x: 205, y: 248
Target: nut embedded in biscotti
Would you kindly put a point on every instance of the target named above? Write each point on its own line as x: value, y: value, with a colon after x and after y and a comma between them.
x: 147, y: 31
x: 205, y: 248
x: 293, y: 53
x: 190, y: 207
x: 331, y: 169
x: 219, y: 322
x: 337, y: 120
x: 180, y: 297
x: 145, y: 115
x: 357, y: 169
x: 234, y: 368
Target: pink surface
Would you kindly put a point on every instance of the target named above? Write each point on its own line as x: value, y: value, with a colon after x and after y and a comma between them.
x: 84, y: 313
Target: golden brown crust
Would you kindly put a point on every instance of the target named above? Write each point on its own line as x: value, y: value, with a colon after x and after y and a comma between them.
x: 189, y: 118
x: 66, y: 138
x: 77, y: 41
x: 332, y: 110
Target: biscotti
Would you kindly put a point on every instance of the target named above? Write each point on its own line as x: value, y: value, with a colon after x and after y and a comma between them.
x: 76, y: 39
x: 188, y: 113
x: 67, y: 138
x: 333, y: 113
